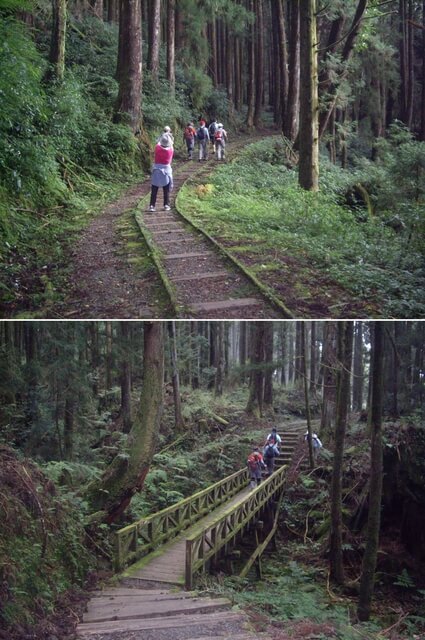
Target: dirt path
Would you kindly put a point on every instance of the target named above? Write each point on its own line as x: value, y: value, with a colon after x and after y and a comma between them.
x: 113, y: 276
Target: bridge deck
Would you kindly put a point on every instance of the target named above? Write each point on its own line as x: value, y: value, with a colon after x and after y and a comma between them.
x: 167, y: 564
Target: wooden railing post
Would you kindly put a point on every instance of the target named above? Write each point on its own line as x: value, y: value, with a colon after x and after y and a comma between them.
x: 189, y: 570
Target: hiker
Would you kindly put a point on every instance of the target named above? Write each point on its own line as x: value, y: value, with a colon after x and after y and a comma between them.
x: 203, y: 137
x: 211, y: 130
x: 316, y: 442
x: 274, y: 439
x: 220, y: 139
x: 167, y: 132
x: 255, y: 464
x: 189, y: 135
x: 162, y: 173
x: 270, y: 452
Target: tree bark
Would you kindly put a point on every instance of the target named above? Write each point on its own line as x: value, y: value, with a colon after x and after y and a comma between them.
x: 256, y: 385
x: 358, y: 368
x: 345, y: 342
x: 268, y: 357
x: 290, y: 125
x: 178, y: 417
x: 129, y: 65
x: 171, y: 45
x: 329, y: 380
x: 308, y: 176
x: 154, y: 39
x: 376, y: 470
x: 57, y: 44
x: 251, y: 73
x: 306, y: 396
x: 111, y: 496
x: 218, y: 386
x: 259, y: 62
x: 125, y: 378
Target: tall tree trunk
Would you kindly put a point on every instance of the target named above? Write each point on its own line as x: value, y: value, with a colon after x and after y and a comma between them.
x: 154, y: 39
x: 97, y: 8
x: 243, y: 325
x: 329, y: 380
x: 171, y: 45
x: 178, y: 416
x: 57, y: 44
x: 358, y: 368
x: 309, y: 102
x: 112, y: 494
x: 125, y: 377
x: 218, y: 386
x: 268, y: 357
x: 423, y: 75
x: 345, y: 346
x: 283, y: 59
x: 313, y: 359
x: 290, y: 125
x: 376, y: 469
x: 256, y: 385
x: 251, y: 73
x: 259, y: 62
x: 306, y: 396
x: 129, y: 65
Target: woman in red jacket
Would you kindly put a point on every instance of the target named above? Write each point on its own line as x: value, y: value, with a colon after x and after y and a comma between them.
x: 162, y: 173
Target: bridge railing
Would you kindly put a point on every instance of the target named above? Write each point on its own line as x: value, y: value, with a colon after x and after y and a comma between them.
x: 141, y: 537
x: 202, y: 546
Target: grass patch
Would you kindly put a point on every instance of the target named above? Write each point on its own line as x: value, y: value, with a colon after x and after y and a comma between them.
x: 354, y: 263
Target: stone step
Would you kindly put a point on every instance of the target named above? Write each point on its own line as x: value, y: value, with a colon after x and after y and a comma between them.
x: 220, y: 305
x: 99, y: 612
x: 208, y: 622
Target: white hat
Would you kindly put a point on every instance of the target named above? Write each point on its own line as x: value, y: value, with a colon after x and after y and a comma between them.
x: 165, y: 141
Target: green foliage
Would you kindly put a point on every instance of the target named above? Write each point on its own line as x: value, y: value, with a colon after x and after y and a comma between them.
x: 257, y: 203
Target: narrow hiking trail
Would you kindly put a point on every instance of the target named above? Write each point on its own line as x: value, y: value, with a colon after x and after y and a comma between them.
x: 193, y: 278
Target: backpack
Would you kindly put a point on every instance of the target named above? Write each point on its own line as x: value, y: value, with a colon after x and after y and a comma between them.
x: 271, y: 440
x: 212, y: 128
x: 188, y: 133
x: 252, y: 462
x: 270, y: 451
x: 218, y: 134
x: 201, y: 133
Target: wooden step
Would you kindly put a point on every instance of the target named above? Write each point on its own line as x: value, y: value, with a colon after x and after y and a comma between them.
x: 220, y: 305
x: 194, y: 254
x: 116, y: 592
x: 136, y: 610
x: 206, y: 621
x: 174, y: 231
x: 202, y: 276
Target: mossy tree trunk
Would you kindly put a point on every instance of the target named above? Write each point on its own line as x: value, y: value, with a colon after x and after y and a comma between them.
x: 375, y: 489
x: 344, y: 355
x: 329, y: 380
x: 111, y: 495
x: 154, y: 38
x: 57, y: 43
x: 308, y: 176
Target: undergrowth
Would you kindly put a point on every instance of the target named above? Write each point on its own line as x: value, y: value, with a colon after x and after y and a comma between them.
x: 256, y: 207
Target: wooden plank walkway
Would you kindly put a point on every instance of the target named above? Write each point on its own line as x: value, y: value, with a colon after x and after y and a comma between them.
x: 167, y: 564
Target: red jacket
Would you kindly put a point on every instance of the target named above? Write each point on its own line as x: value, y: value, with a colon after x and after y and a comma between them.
x: 162, y: 155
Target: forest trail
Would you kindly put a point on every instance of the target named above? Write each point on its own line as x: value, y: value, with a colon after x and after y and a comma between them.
x: 201, y: 281
x: 139, y: 609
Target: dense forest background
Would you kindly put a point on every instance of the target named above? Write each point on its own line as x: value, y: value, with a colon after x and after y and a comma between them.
x: 167, y: 409
x: 80, y: 111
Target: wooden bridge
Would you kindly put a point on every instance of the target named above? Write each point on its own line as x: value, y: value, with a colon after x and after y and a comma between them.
x: 211, y: 529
